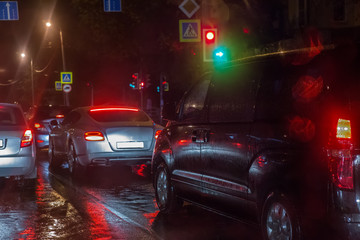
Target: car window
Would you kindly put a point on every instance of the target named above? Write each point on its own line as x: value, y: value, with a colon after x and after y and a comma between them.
x: 194, y: 101
x: 47, y: 112
x: 119, y: 116
x: 274, y: 95
x: 232, y: 95
x: 71, y: 118
x: 10, y: 116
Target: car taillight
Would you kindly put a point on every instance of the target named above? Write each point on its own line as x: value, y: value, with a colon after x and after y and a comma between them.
x: 27, y: 138
x: 39, y: 127
x: 60, y: 116
x: 94, y: 136
x: 157, y: 133
x: 341, y: 159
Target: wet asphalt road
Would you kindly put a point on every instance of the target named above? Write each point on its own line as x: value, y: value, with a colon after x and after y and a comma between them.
x: 114, y: 203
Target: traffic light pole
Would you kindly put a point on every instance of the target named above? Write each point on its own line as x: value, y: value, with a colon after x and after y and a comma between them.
x: 162, y: 78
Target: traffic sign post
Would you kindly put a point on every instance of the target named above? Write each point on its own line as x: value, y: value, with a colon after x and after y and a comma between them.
x: 189, y: 30
x: 9, y: 11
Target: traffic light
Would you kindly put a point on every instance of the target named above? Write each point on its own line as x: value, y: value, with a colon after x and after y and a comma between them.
x: 141, y: 85
x: 135, y: 81
x: 209, y: 44
x: 165, y: 86
x: 221, y: 54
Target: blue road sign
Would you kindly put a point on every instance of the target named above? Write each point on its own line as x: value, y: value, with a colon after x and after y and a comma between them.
x: 66, y: 77
x: 112, y: 5
x: 189, y: 30
x: 9, y: 10
x: 58, y: 86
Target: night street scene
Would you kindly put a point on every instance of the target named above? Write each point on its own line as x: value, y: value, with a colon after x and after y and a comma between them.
x: 180, y: 119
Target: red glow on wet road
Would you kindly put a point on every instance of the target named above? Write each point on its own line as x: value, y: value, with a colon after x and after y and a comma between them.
x: 140, y: 170
x: 99, y: 228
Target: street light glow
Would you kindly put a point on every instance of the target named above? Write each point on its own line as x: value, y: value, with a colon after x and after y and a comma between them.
x: 48, y: 24
x: 23, y: 55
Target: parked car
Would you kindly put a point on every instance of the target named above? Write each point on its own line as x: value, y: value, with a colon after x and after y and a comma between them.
x: 17, y: 151
x: 272, y: 139
x: 40, y: 118
x: 102, y: 136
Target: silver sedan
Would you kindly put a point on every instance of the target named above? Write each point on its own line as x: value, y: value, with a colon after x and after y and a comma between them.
x: 102, y: 136
x: 17, y: 148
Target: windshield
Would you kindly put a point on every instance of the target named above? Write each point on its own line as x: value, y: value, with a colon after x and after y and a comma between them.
x: 47, y: 112
x: 11, y: 116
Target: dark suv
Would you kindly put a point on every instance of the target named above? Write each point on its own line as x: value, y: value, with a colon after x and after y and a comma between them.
x: 273, y: 139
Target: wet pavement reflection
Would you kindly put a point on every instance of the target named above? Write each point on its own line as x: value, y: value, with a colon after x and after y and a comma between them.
x: 115, y: 203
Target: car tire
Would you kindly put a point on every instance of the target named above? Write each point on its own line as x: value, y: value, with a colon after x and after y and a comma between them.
x: 279, y: 219
x: 164, y: 191
x: 54, y: 161
x: 75, y: 169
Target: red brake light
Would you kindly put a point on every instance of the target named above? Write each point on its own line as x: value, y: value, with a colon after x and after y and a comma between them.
x: 157, y: 133
x: 94, y: 136
x: 38, y: 125
x: 60, y: 116
x: 341, y: 158
x: 27, y: 138
x: 343, y: 130
x: 341, y: 168
x: 114, y: 109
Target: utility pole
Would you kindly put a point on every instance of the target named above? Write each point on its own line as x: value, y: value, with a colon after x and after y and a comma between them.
x: 66, y: 95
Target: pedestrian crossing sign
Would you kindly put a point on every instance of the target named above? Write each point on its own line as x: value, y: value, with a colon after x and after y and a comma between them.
x: 189, y: 30
x: 58, y: 86
x: 66, y: 77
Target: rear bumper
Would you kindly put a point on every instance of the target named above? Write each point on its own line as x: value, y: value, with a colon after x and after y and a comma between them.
x: 18, y: 166
x: 116, y: 158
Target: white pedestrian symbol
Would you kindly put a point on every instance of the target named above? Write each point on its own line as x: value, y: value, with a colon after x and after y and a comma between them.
x: 190, y: 32
x: 66, y: 78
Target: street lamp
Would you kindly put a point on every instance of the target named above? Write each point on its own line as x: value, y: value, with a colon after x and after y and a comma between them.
x: 23, y: 55
x: 48, y: 25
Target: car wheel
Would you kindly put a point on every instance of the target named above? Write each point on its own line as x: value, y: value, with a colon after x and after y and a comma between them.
x: 280, y: 220
x: 75, y: 168
x: 54, y: 161
x: 165, y: 193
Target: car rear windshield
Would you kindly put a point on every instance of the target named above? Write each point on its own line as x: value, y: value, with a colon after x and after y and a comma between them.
x: 119, y: 116
x: 47, y: 112
x: 11, y: 116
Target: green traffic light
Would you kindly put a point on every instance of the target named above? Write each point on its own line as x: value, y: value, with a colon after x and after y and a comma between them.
x: 221, y: 54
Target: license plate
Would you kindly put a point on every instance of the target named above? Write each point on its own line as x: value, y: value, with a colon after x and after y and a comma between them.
x: 1, y: 143
x: 130, y: 145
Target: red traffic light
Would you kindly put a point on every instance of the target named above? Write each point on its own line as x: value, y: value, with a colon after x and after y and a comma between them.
x: 210, y: 36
